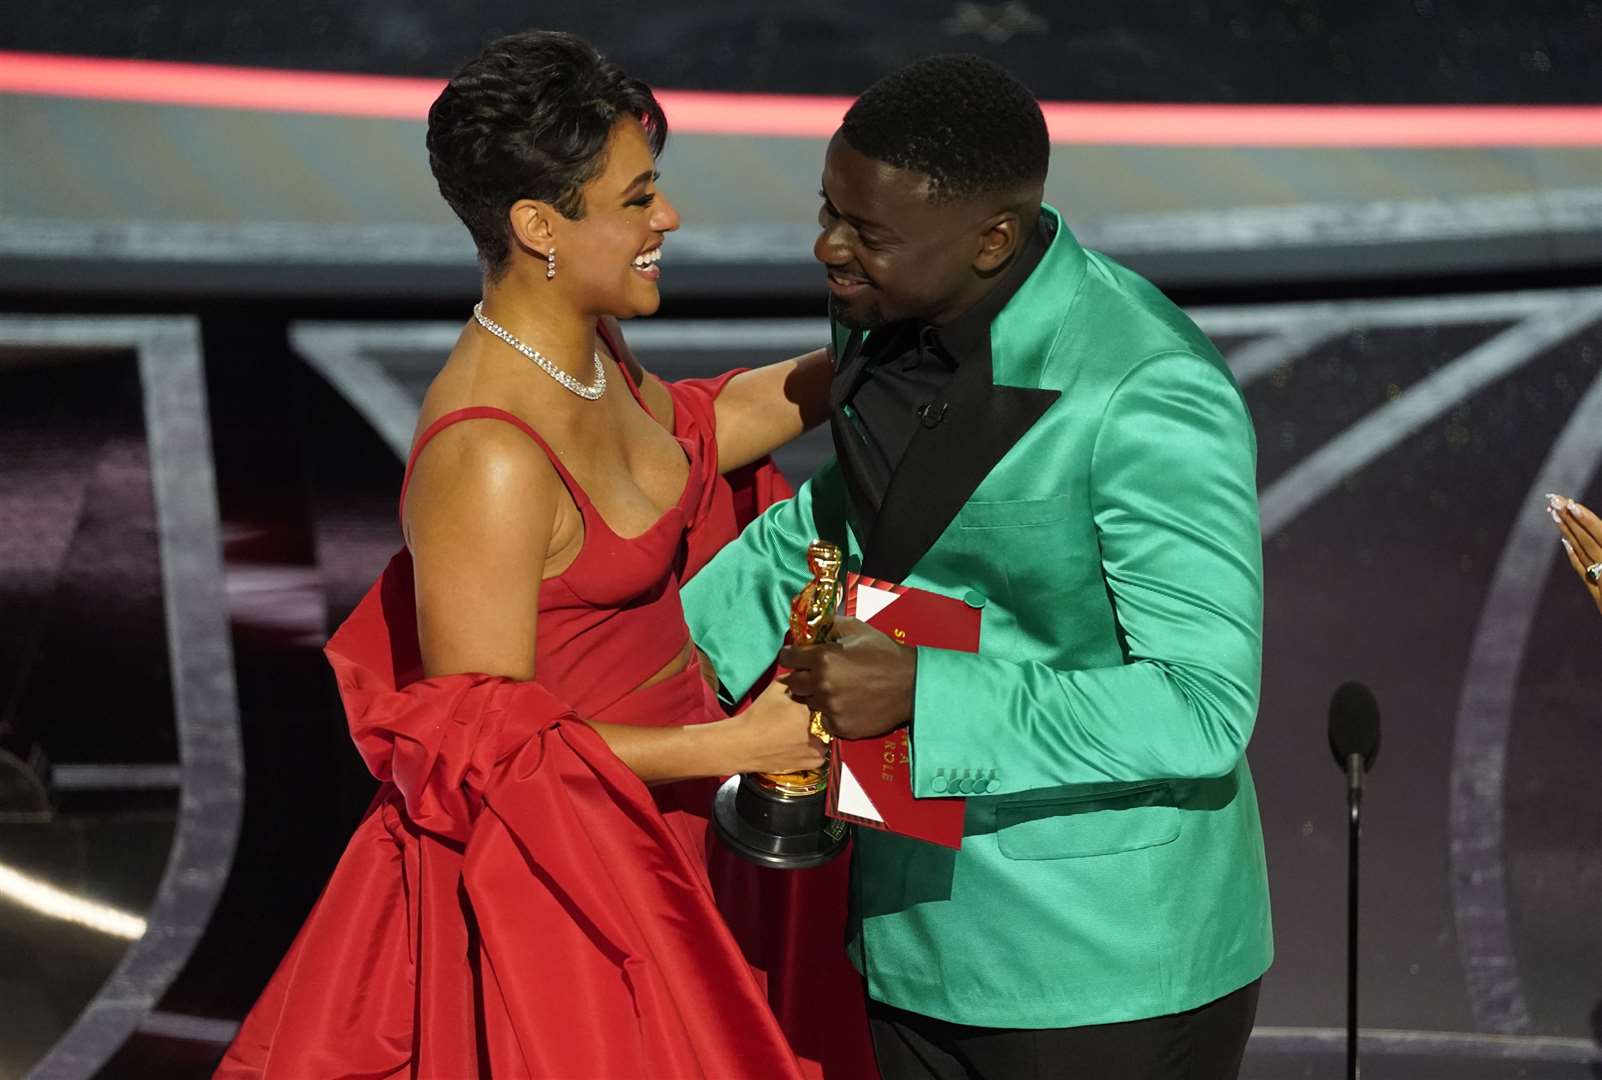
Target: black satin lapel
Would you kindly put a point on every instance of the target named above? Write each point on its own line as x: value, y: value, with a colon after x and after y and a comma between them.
x: 848, y: 370
x: 848, y: 452
x: 944, y: 464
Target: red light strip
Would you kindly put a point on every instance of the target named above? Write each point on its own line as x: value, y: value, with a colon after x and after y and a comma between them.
x: 211, y: 86
x: 799, y: 116
x: 1369, y: 126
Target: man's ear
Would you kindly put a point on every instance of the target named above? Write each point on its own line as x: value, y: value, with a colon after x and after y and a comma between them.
x: 530, y: 223
x: 1001, y: 236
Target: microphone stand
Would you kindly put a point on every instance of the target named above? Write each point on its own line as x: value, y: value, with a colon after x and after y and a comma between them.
x: 1354, y: 802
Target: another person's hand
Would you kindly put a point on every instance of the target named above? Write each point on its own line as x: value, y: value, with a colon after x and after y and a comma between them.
x: 1582, y: 540
x: 861, y: 680
x: 772, y: 735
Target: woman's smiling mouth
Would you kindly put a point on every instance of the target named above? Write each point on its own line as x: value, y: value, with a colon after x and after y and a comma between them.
x: 646, y: 264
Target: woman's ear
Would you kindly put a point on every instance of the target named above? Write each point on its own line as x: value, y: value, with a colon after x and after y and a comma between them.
x: 530, y: 223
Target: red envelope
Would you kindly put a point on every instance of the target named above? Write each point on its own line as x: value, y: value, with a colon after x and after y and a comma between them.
x: 869, y: 779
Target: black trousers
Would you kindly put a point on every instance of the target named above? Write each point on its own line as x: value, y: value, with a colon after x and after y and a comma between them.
x: 1205, y: 1043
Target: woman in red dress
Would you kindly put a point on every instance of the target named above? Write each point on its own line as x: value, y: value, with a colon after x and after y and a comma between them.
x: 528, y: 894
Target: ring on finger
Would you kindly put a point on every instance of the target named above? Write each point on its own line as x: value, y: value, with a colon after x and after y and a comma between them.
x: 1593, y: 573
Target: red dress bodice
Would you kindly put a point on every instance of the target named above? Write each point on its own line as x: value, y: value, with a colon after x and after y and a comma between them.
x: 612, y: 618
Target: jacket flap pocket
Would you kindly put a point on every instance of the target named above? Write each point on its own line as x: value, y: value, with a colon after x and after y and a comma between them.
x: 1006, y: 513
x: 1077, y: 828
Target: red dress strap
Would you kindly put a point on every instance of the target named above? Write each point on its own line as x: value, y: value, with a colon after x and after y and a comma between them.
x: 616, y: 347
x: 489, y: 412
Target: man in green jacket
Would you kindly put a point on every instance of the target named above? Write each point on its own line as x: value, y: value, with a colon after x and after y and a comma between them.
x: 1025, y: 425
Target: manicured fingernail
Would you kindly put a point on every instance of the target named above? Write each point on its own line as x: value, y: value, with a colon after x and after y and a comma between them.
x: 1572, y: 507
x: 1568, y: 547
x: 1553, y: 498
x: 1551, y: 512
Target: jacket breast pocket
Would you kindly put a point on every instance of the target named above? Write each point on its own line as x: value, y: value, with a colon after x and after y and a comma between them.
x: 1013, y: 513
x: 1075, y: 828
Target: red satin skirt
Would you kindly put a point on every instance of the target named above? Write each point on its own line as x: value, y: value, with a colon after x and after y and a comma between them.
x: 564, y: 924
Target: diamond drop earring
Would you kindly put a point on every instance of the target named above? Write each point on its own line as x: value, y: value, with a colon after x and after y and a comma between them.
x: 550, y: 264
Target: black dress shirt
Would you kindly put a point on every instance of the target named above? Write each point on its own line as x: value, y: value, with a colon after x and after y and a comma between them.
x: 907, y: 367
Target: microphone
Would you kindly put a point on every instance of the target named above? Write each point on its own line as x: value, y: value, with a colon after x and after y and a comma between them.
x: 1354, y: 731
x: 1354, y: 736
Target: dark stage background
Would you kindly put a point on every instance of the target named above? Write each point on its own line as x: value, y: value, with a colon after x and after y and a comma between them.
x: 106, y: 193
x: 215, y: 325
x: 1300, y: 51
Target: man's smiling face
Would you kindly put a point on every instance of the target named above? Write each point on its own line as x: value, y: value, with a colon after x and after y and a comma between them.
x: 891, y: 252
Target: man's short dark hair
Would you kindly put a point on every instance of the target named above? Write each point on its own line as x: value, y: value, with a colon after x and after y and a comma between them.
x: 529, y: 118
x: 963, y: 121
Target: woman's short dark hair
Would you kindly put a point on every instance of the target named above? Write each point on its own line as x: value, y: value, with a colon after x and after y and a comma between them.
x: 529, y: 118
x: 963, y: 121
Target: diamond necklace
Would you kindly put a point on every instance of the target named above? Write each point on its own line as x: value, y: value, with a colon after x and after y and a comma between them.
x: 588, y: 393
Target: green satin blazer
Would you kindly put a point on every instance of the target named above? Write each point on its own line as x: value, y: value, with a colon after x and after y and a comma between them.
x: 1095, y: 493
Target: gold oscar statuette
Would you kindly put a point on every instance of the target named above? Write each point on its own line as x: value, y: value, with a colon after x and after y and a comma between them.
x: 811, y: 622
x: 779, y: 819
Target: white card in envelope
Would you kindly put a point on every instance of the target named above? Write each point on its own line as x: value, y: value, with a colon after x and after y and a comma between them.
x: 851, y: 799
x: 871, y: 601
